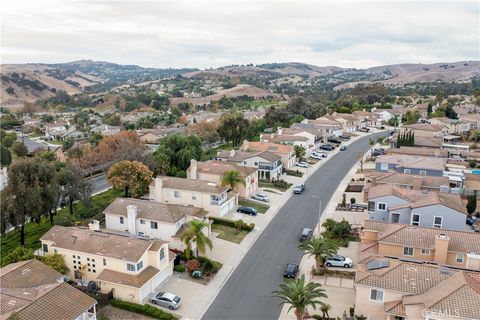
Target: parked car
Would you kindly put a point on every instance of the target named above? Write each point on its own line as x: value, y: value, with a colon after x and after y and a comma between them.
x: 321, y: 153
x: 364, y: 129
x: 332, y: 140
x: 343, y: 148
x: 291, y: 271
x: 327, y: 147
x: 316, y: 156
x: 471, y: 220
x: 302, y: 164
x: 247, y: 210
x: 305, y: 234
x: 298, y: 188
x: 345, y: 137
x: 167, y: 300
x: 338, y: 261
x: 378, y: 152
x: 261, y: 197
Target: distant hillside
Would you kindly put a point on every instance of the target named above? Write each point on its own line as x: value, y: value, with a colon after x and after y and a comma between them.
x: 28, y: 82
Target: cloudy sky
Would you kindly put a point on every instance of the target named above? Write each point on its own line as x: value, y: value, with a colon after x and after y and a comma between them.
x: 215, y: 33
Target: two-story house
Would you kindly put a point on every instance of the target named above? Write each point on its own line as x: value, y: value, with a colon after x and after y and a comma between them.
x: 268, y: 164
x: 426, y: 209
x: 214, y: 171
x: 408, y: 181
x: 150, y: 219
x: 31, y: 290
x: 207, y: 195
x: 286, y: 152
x: 287, y: 139
x: 133, y: 267
x: 424, y: 166
x: 459, y: 249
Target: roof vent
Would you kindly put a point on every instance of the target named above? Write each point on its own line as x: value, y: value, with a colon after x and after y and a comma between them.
x: 444, y: 271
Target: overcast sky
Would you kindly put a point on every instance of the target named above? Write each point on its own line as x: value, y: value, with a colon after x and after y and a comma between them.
x: 211, y: 34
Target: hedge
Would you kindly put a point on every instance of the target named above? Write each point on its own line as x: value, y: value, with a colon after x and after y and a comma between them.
x: 146, y: 309
x: 231, y: 223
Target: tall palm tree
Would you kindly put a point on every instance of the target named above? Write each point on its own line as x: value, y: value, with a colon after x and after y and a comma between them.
x: 299, y: 296
x: 325, y: 308
x: 194, y: 233
x: 232, y: 179
x: 320, y: 249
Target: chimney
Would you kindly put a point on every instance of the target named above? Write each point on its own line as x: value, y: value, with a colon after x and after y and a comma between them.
x: 94, y: 225
x: 245, y: 145
x: 441, y: 248
x: 280, y: 131
x: 473, y: 261
x: 417, y: 183
x: 132, y: 218
x: 193, y: 169
x: 232, y: 152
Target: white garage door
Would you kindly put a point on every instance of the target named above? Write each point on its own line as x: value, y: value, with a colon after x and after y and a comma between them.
x: 161, y: 277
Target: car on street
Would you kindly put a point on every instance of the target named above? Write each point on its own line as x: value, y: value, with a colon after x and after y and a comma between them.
x: 338, y: 261
x: 298, y: 188
x: 261, y: 197
x: 247, y: 210
x: 291, y: 271
x: 167, y: 300
x: 302, y: 164
x: 343, y: 148
x: 327, y: 147
x: 305, y: 234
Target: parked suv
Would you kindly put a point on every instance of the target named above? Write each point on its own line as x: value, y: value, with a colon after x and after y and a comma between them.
x: 167, y: 300
x: 305, y: 234
x: 327, y: 147
x: 298, y: 188
x: 338, y: 261
x: 260, y: 197
x: 247, y: 210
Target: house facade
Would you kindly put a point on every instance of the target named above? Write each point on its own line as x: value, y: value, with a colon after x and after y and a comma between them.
x: 286, y: 152
x: 425, y: 166
x: 130, y: 266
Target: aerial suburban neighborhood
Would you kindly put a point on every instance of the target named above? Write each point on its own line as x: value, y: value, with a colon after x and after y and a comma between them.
x: 183, y: 181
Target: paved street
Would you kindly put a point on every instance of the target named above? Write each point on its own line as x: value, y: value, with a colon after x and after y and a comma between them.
x: 247, y: 293
x: 98, y: 183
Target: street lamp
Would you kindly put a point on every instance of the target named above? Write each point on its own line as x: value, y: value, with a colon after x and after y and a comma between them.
x: 319, y: 211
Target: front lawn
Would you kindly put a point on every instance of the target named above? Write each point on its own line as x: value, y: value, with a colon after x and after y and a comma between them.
x: 82, y: 215
x: 281, y: 185
x: 229, y: 233
x: 260, y: 207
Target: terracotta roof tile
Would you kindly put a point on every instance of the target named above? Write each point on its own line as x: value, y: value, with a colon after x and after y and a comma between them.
x: 130, y: 280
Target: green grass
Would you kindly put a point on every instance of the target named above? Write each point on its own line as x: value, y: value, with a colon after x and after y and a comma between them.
x: 144, y: 309
x: 264, y: 184
x: 82, y: 215
x: 260, y: 207
x: 271, y: 191
x: 229, y: 233
x: 56, y: 142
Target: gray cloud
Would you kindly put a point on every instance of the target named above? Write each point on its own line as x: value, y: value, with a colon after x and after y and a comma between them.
x: 214, y: 33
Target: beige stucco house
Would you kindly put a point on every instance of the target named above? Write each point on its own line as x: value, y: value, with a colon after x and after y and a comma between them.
x: 286, y: 152
x: 214, y: 171
x: 130, y: 266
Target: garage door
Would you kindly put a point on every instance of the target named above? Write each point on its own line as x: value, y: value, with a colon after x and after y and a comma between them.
x: 162, y: 276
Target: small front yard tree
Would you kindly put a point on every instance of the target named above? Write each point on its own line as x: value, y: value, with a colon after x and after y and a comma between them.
x: 320, y: 249
x: 133, y: 176
x: 471, y: 204
x: 232, y: 179
x: 300, y: 295
x: 300, y: 152
x: 194, y: 232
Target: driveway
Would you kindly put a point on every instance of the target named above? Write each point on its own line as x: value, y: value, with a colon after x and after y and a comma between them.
x: 247, y: 293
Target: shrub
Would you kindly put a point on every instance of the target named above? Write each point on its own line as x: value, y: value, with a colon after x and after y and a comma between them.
x: 472, y: 164
x: 192, y: 265
x: 209, y: 266
x: 146, y: 309
x: 179, y: 268
x: 282, y: 184
x: 233, y: 224
x: 352, y: 200
x: 294, y: 173
x: 336, y: 230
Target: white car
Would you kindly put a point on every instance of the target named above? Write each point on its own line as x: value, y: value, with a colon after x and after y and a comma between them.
x: 167, y: 300
x: 339, y: 261
x: 302, y: 164
x: 316, y: 156
x: 260, y: 197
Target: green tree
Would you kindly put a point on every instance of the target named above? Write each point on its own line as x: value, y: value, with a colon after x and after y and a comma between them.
x: 471, y: 204
x: 232, y: 179
x: 300, y: 295
x: 233, y: 127
x: 411, y: 117
x: 55, y: 261
x: 320, y: 249
x: 5, y: 156
x: 19, y: 149
x: 194, y: 232
x: 175, y: 152
x: 7, y: 139
x: 74, y: 187
x: 68, y: 143
x: 450, y: 113
x: 325, y: 308
x: 132, y: 176
x: 20, y: 253
x: 299, y: 152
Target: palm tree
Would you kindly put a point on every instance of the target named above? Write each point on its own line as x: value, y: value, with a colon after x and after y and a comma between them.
x: 194, y: 232
x: 232, y: 179
x: 320, y: 249
x: 325, y: 308
x: 299, y: 296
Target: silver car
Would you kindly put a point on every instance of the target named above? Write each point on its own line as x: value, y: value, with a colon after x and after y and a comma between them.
x: 339, y: 261
x: 261, y: 197
x: 167, y: 300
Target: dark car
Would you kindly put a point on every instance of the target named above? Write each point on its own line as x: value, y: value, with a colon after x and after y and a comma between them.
x: 305, y: 234
x: 247, y: 210
x: 364, y: 129
x: 470, y: 221
x: 332, y: 140
x: 345, y: 137
x: 291, y: 270
x: 378, y: 152
x: 327, y: 147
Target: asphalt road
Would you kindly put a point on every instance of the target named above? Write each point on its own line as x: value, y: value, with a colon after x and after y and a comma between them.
x: 247, y: 293
x: 98, y: 182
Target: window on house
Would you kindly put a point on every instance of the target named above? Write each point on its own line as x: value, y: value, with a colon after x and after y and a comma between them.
x: 177, y: 194
x: 162, y: 254
x: 94, y: 271
x: 244, y: 162
x: 255, y: 163
x: 142, y: 221
x: 415, y: 220
x: 376, y: 295
x: 139, y: 265
x: 194, y: 196
x: 93, y: 265
x: 45, y: 247
x: 88, y: 264
x: 89, y: 270
x: 406, y: 171
x: 93, y: 260
x: 407, y: 251
x: 121, y: 220
x: 423, y: 172
x: 382, y: 206
x: 384, y: 166
x: 88, y: 259
x: 130, y: 267
x: 104, y: 261
x: 371, y: 205
x: 55, y: 251
x: 425, y: 252
x: 153, y: 225
x: 437, y: 222
x: 459, y: 258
